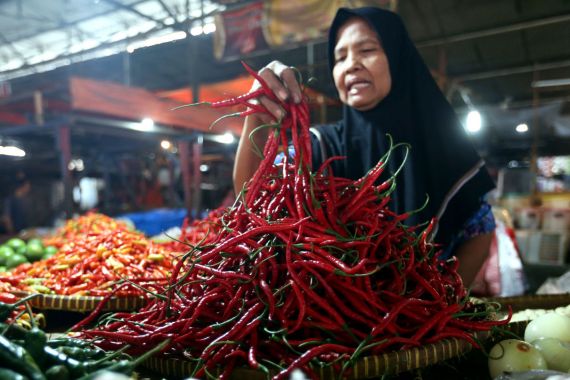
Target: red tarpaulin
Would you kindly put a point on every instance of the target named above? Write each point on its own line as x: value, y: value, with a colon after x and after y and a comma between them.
x: 112, y: 99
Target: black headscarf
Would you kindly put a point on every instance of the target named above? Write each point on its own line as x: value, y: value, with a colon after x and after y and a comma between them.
x: 415, y: 112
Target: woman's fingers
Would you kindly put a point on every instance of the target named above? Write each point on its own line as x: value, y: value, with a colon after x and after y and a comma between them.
x: 290, y: 79
x: 282, y: 81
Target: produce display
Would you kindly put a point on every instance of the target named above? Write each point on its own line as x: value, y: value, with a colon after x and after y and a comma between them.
x: 16, y: 251
x: 13, y: 310
x: 196, y: 231
x: 29, y: 354
x: 546, y: 345
x: 97, y: 256
x: 307, y: 270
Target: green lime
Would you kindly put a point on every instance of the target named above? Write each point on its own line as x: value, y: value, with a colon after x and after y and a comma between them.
x: 5, y: 252
x: 15, y: 260
x: 34, y: 250
x: 15, y: 243
x: 3, y: 269
x: 21, y: 250
x: 35, y: 241
x: 49, y: 251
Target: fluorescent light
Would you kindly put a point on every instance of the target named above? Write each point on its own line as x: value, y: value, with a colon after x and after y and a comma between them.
x: 473, y: 121
x: 209, y: 28
x: 165, y: 144
x: 179, y: 35
x: 522, y: 128
x: 146, y: 125
x: 227, y: 138
x: 13, y: 151
x: 196, y: 31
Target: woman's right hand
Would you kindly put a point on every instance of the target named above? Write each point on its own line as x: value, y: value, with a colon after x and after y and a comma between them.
x: 282, y: 81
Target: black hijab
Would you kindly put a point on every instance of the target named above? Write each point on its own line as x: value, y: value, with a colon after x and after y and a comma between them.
x: 416, y: 112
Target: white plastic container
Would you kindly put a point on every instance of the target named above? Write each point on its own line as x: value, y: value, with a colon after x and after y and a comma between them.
x: 556, y: 219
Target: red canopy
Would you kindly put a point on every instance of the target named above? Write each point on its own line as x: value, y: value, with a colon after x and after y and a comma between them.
x: 112, y: 99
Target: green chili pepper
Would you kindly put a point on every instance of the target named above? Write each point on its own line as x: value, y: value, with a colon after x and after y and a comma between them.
x: 57, y: 372
x: 82, y: 353
x: 34, y: 342
x: 68, y: 342
x: 17, y: 358
x: 8, y: 374
x: 6, y: 309
x: 126, y: 366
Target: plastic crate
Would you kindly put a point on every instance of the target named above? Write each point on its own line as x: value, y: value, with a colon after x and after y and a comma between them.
x: 156, y: 221
x: 556, y: 219
x: 543, y: 247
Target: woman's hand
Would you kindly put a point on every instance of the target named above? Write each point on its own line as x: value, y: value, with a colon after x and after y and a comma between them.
x: 282, y: 81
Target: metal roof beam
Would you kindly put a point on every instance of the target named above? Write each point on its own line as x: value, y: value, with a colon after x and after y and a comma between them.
x: 12, y: 47
x: 512, y: 71
x: 131, y: 9
x: 492, y: 31
x: 167, y: 9
x: 66, y: 24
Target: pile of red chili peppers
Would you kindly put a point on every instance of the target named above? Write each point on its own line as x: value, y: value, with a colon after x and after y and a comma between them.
x: 308, y: 270
x: 198, y: 230
x: 100, y: 254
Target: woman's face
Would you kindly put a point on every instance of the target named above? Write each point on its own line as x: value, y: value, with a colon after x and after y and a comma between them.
x: 361, y: 71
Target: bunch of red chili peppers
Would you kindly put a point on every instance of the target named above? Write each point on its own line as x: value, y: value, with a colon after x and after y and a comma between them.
x: 308, y: 270
x: 199, y: 230
x: 102, y: 255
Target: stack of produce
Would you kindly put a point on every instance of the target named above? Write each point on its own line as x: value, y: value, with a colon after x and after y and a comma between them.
x: 197, y: 231
x: 90, y: 223
x: 96, y: 253
x: 308, y: 270
x: 16, y: 251
x: 29, y: 354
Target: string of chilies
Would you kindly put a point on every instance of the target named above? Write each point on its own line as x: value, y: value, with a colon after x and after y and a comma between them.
x: 307, y: 270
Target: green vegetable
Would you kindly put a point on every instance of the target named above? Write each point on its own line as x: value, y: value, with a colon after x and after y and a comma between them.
x: 6, y: 309
x: 49, y: 251
x: 34, y: 343
x: 57, y: 372
x: 8, y: 374
x: 69, y: 342
x: 5, y: 252
x: 34, y: 250
x: 15, y: 243
x: 82, y: 353
x: 18, y: 359
x: 15, y: 260
x: 126, y: 366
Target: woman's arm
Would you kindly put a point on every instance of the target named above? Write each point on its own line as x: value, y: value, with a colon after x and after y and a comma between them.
x: 471, y: 254
x: 280, y: 79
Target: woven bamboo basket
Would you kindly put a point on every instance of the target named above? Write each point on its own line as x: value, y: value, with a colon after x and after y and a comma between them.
x: 368, y: 367
x: 537, y: 301
x: 83, y: 303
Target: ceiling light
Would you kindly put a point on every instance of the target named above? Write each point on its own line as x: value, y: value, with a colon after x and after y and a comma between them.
x: 227, y: 138
x: 196, y: 31
x: 204, y: 168
x: 146, y: 125
x: 13, y: 151
x: 522, y: 128
x: 165, y: 144
x: 473, y: 122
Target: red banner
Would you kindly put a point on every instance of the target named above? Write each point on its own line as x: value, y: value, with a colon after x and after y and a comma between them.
x: 240, y: 31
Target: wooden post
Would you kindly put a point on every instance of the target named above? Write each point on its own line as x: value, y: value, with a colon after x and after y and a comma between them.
x: 197, y: 175
x: 184, y: 154
x: 64, y: 148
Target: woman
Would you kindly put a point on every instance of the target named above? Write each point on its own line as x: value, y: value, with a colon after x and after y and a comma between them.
x: 386, y: 89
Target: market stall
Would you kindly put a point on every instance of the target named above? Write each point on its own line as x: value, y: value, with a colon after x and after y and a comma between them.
x: 295, y: 276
